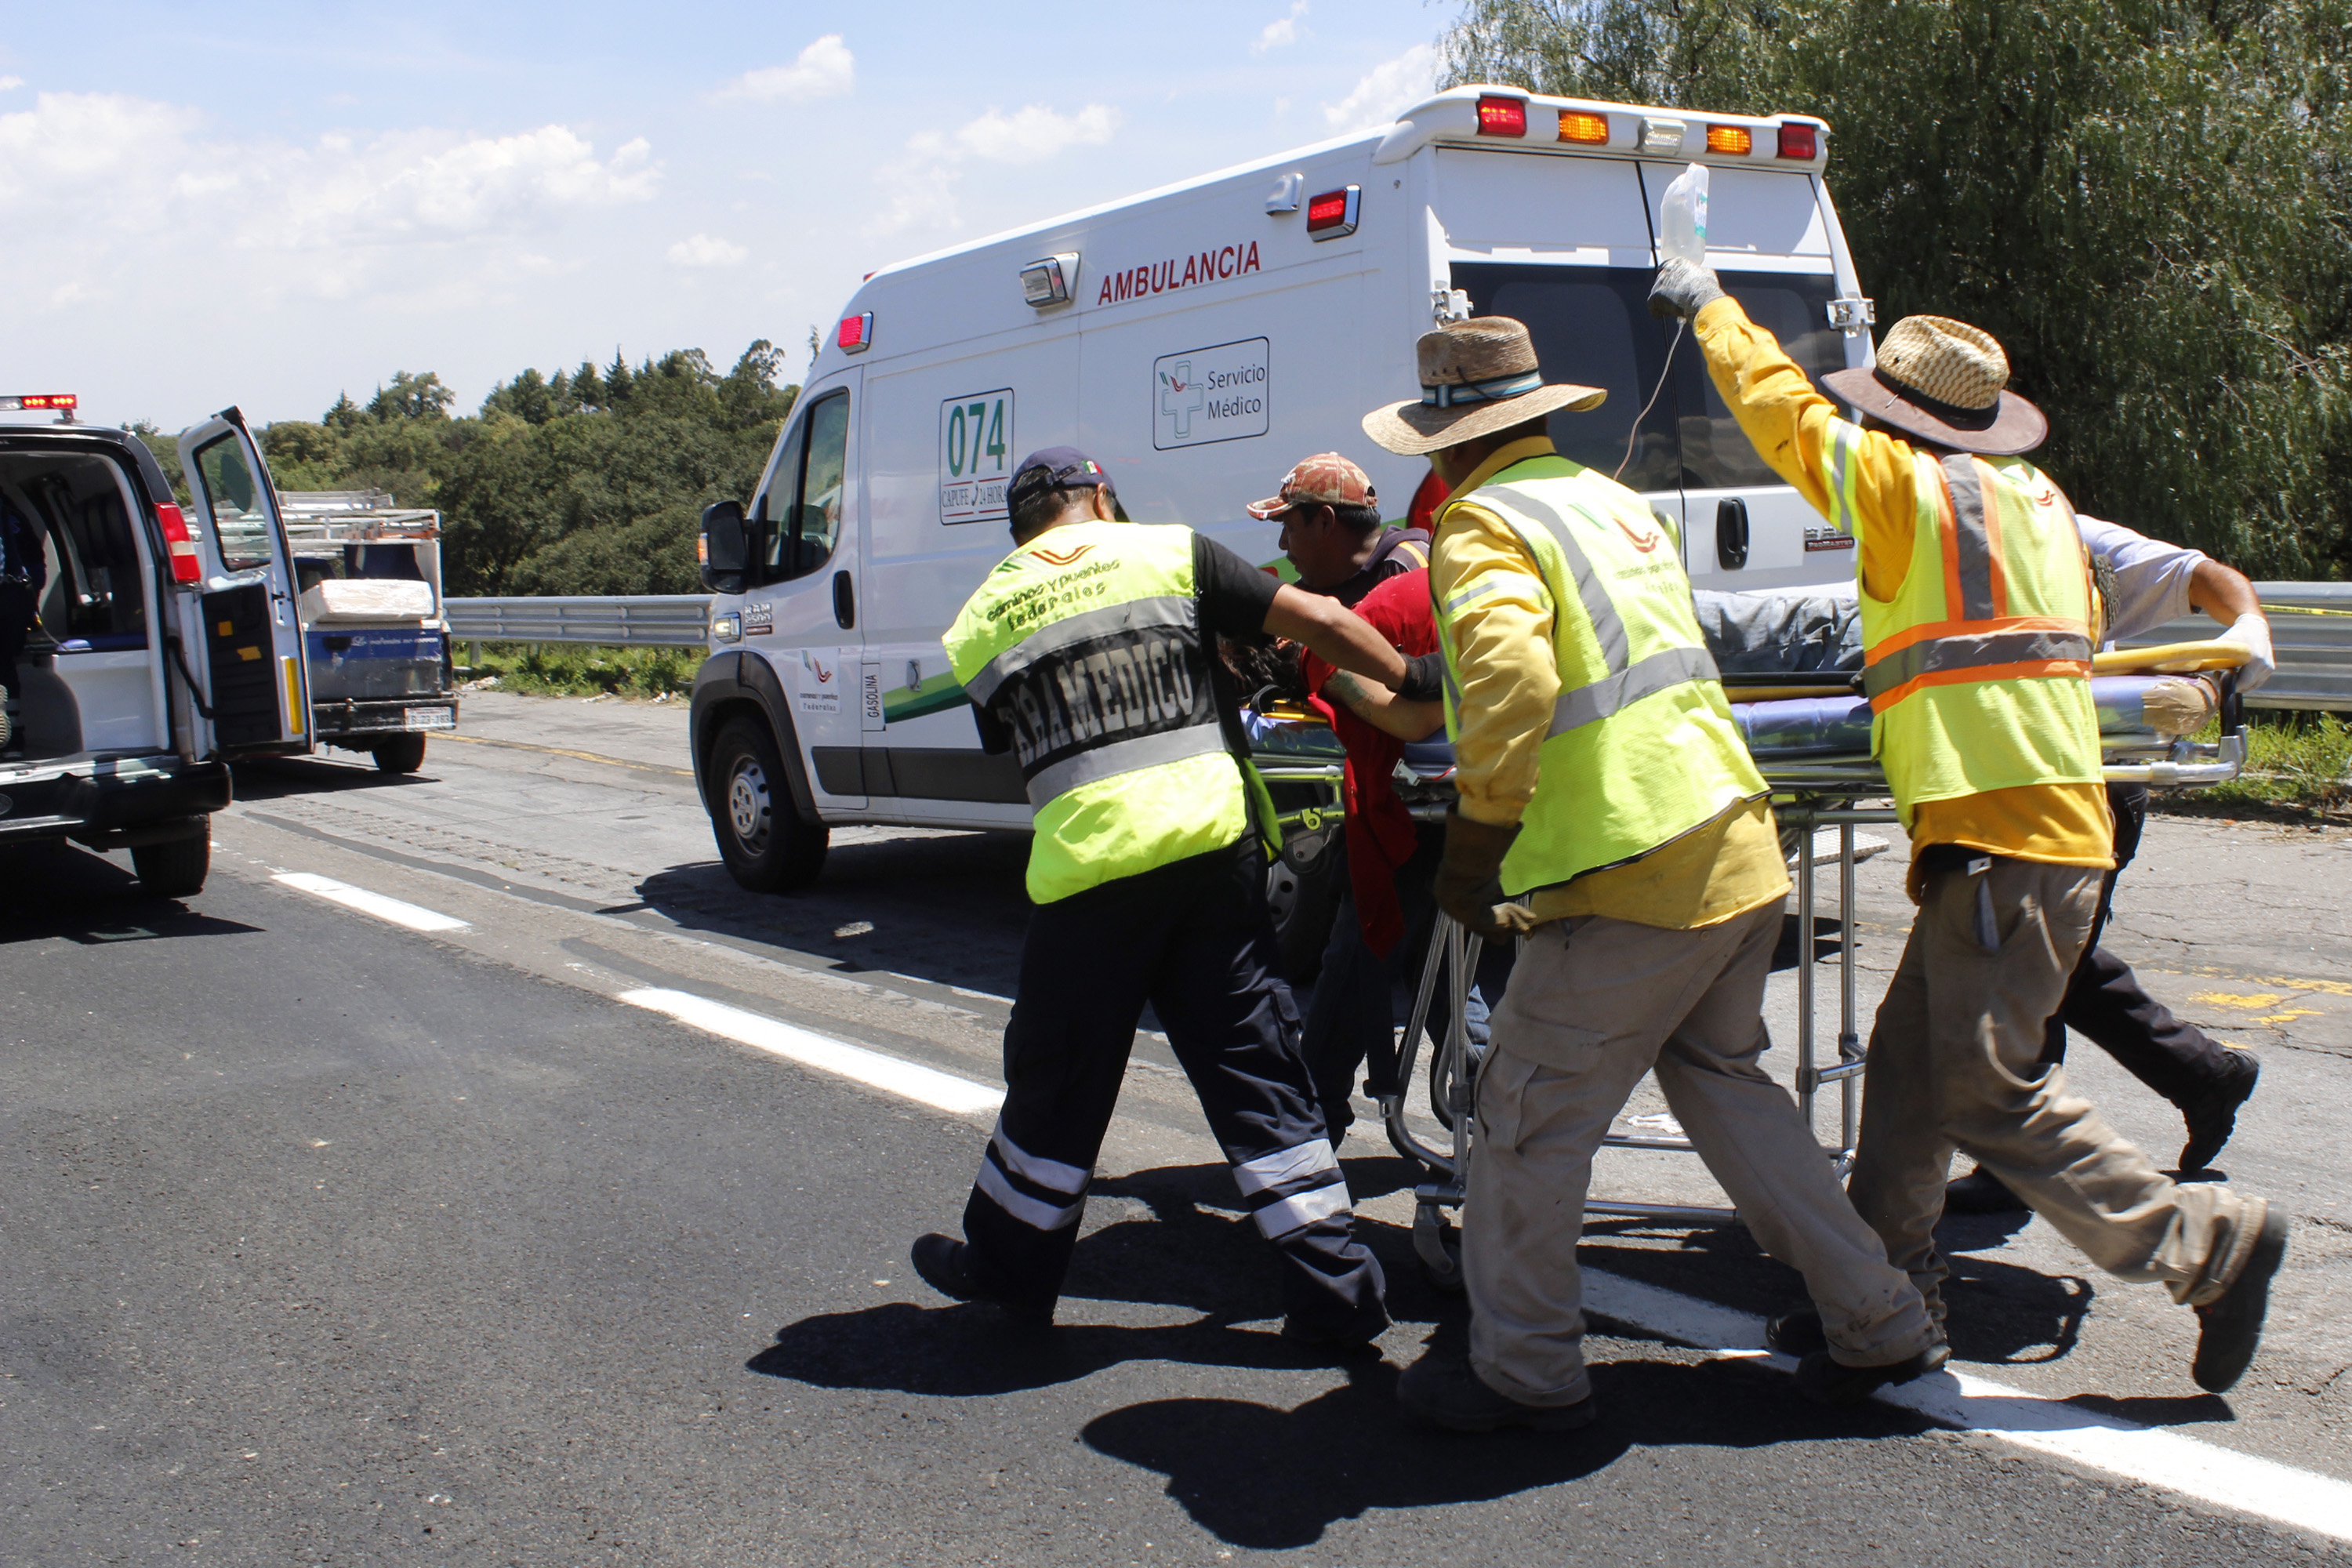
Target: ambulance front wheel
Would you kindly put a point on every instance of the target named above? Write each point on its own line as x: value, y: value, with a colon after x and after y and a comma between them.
x: 767, y: 847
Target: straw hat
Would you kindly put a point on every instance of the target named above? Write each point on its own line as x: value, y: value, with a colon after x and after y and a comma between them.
x: 1478, y: 377
x: 1948, y: 382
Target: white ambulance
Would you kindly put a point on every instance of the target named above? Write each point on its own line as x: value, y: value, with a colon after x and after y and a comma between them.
x: 1197, y: 340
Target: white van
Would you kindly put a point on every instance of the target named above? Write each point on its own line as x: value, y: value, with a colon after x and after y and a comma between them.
x: 1197, y: 340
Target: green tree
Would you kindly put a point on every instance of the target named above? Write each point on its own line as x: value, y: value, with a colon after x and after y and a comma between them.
x: 2146, y: 202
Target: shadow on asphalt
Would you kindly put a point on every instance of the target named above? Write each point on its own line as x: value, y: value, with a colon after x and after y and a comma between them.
x: 1829, y: 940
x: 277, y: 778
x: 62, y: 892
x: 950, y: 907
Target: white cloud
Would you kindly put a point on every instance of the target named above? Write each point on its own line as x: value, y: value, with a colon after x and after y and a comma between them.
x: 921, y: 185
x: 1281, y: 30
x: 1391, y: 87
x: 824, y: 69
x: 11, y: 83
x: 707, y: 250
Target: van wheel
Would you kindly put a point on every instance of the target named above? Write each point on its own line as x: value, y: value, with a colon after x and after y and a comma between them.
x: 767, y: 847
x: 176, y: 869
x: 400, y: 754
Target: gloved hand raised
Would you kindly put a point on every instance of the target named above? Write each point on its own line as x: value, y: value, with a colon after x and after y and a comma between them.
x: 1683, y: 289
x: 1425, y: 678
x: 1470, y: 879
x: 2251, y: 632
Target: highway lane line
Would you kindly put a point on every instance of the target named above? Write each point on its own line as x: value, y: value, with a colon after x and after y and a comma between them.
x: 929, y: 1086
x: 413, y: 916
x: 564, y: 751
x: 2222, y: 1477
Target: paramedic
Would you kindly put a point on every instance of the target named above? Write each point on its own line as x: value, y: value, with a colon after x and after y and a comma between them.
x: 1088, y: 653
x: 1385, y: 915
x: 1977, y: 611
x: 1609, y: 812
x: 2155, y: 583
x: 1331, y: 529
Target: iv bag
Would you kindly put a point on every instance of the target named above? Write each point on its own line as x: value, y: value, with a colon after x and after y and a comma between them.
x: 1682, y: 231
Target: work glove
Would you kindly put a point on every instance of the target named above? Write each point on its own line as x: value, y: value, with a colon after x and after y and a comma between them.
x: 1470, y: 879
x: 1683, y: 289
x: 2251, y: 632
x: 1425, y: 678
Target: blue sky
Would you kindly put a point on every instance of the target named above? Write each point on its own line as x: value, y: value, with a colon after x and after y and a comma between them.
x: 268, y: 204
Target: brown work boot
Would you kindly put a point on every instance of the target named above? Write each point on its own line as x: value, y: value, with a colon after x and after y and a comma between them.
x: 2229, y: 1327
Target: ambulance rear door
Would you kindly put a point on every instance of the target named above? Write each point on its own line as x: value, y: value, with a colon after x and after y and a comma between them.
x: 256, y: 683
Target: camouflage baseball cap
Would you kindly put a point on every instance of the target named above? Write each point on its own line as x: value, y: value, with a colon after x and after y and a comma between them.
x: 1326, y: 478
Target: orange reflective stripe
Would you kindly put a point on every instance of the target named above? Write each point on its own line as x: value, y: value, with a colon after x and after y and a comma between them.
x: 2033, y: 670
x: 1896, y: 642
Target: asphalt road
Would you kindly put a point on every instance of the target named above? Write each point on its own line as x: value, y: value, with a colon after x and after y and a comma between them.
x: 332, y: 1241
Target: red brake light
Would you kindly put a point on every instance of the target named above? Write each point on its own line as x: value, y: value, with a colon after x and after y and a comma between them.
x: 1799, y: 141
x: 185, y: 568
x: 1500, y: 116
x: 1332, y: 215
x: 855, y: 334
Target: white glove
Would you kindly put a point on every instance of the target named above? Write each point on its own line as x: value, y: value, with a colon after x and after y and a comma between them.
x: 2252, y: 633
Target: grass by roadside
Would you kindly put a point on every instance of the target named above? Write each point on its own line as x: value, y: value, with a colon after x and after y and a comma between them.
x: 2296, y: 768
x: 578, y: 669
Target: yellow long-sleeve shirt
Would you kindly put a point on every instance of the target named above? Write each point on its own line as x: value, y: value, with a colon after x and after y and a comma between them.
x: 1789, y: 422
x: 1510, y: 680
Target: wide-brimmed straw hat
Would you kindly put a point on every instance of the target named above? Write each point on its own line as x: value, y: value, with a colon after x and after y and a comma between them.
x: 1948, y: 383
x: 1478, y: 377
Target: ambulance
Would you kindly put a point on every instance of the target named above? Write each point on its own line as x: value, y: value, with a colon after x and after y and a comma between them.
x: 1197, y: 340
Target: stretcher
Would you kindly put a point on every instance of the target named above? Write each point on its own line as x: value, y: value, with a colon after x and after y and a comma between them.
x: 1809, y: 731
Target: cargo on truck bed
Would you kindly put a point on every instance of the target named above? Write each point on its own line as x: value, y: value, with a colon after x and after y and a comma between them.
x: 368, y: 579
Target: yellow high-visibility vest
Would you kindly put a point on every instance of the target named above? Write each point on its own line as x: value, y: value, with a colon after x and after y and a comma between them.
x: 1642, y: 748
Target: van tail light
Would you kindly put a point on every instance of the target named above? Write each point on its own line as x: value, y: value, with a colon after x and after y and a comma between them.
x: 185, y: 567
x: 1593, y: 130
x: 1500, y: 116
x: 1733, y: 140
x: 1799, y: 141
x: 1332, y: 215
x: 856, y: 333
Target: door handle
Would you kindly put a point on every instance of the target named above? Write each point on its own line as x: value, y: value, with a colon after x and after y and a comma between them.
x: 845, y: 602
x: 1731, y: 533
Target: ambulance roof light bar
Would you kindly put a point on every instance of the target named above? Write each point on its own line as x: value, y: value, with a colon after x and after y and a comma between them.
x: 64, y: 403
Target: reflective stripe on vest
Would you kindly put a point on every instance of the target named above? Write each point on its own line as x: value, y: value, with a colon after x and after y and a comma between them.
x: 1087, y: 626
x: 1981, y: 643
x: 1627, y: 681
x: 1109, y: 759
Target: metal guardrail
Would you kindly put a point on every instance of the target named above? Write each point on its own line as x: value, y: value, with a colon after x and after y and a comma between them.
x: 631, y: 620
x: 2311, y: 634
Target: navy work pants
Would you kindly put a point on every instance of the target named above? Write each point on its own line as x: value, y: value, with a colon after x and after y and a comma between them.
x: 1195, y: 941
x: 2105, y: 1003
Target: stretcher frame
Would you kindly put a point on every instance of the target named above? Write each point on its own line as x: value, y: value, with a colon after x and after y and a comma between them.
x: 1807, y: 795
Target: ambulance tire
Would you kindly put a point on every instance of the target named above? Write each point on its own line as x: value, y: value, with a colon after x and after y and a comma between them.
x: 400, y: 754
x: 767, y: 847
x: 175, y: 869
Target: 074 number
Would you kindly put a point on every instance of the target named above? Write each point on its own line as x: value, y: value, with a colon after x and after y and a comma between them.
x: 976, y: 438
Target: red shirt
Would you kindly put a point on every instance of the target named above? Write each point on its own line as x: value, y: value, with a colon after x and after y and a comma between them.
x: 1381, y: 834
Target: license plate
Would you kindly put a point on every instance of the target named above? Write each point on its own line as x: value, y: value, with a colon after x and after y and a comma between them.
x: 428, y: 719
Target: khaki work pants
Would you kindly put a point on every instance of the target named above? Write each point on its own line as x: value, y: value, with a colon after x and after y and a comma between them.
x: 1953, y: 1065
x: 1593, y: 1004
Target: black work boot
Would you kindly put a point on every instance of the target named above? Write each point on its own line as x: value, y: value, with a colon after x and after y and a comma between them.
x: 950, y: 1266
x: 1980, y: 1192
x: 2212, y: 1116
x: 1826, y: 1381
x: 2230, y: 1325
x: 1797, y: 1333
x: 1448, y: 1391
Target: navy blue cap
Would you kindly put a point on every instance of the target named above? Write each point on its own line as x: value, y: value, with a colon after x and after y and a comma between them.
x: 1061, y: 467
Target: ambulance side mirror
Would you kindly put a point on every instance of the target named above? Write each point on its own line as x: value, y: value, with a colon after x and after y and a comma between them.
x: 725, y: 547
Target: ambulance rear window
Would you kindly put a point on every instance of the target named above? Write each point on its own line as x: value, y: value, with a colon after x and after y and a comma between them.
x: 1592, y: 326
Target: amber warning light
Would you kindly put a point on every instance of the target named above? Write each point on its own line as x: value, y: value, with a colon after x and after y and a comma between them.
x: 32, y: 400
x: 1593, y: 130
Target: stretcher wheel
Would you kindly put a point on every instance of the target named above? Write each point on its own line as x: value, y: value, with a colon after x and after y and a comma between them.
x: 1438, y: 1248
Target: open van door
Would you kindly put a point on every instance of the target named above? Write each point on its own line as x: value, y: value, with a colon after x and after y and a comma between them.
x: 259, y: 685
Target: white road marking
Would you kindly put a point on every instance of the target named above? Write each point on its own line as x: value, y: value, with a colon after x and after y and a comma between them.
x: 384, y: 908
x: 943, y: 1091
x: 2209, y: 1473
